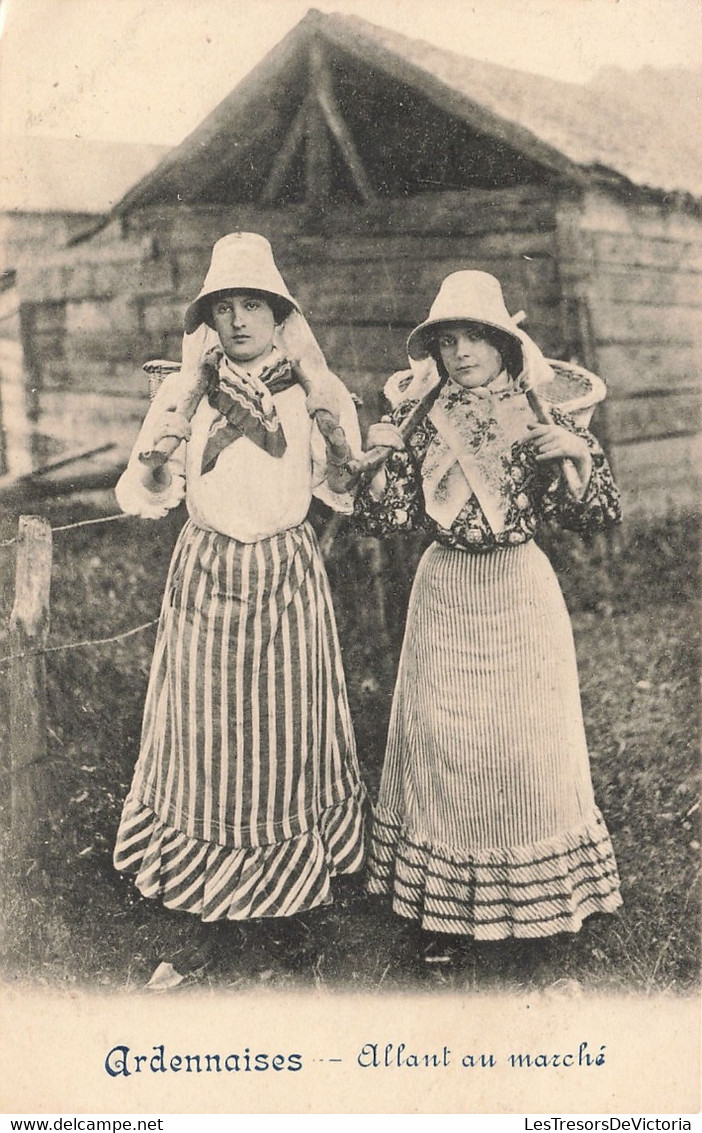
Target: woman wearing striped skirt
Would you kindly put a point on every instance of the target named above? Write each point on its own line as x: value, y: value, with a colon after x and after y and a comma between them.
x: 486, y: 824
x: 246, y: 799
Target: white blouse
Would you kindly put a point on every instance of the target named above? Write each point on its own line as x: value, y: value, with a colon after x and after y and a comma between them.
x: 248, y: 495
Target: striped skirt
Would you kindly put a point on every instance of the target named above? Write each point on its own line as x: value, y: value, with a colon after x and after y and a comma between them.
x: 486, y: 822
x: 246, y: 797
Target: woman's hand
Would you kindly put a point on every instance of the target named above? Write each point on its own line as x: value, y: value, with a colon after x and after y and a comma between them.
x: 157, y: 479
x: 384, y: 435
x: 553, y: 442
x: 149, y: 493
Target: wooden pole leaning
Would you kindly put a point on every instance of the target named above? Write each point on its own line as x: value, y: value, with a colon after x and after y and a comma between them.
x: 29, y: 628
x: 369, y: 462
x: 544, y: 417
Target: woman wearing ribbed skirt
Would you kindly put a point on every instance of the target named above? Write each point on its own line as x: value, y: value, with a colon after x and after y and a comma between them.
x: 246, y: 798
x: 486, y: 825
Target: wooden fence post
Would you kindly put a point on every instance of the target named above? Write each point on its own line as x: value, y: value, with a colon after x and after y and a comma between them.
x: 29, y: 628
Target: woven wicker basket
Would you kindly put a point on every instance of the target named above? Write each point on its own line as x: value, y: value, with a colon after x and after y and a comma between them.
x: 157, y: 370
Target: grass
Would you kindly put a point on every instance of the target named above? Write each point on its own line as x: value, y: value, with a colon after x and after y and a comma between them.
x: 67, y: 919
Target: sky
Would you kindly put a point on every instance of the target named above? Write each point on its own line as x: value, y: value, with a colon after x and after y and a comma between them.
x: 150, y: 70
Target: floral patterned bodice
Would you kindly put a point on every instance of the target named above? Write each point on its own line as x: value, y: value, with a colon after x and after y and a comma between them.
x: 533, y: 492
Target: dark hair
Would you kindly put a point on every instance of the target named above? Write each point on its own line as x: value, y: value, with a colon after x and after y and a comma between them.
x: 280, y: 306
x: 508, y: 348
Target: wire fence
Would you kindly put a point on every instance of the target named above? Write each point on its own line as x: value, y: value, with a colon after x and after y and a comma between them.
x: 29, y: 768
x: 89, y: 522
x: 10, y: 657
x: 77, y: 644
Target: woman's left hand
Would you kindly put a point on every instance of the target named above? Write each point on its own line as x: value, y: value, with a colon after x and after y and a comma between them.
x: 553, y: 442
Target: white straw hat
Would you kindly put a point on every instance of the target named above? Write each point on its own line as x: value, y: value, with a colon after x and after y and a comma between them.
x: 241, y: 261
x: 464, y: 296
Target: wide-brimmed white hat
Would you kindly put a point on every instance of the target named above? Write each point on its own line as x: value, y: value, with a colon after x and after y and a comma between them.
x: 465, y: 296
x: 241, y: 261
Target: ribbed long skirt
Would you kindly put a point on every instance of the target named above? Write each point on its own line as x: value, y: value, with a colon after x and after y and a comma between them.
x: 486, y: 823
x: 246, y: 797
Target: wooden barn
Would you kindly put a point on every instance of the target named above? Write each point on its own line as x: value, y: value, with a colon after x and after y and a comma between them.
x: 377, y: 164
x: 51, y: 189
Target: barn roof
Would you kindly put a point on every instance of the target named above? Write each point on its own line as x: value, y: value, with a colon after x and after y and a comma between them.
x: 644, y: 127
x: 406, y: 116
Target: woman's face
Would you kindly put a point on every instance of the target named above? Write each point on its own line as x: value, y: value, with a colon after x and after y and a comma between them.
x: 244, y: 323
x: 469, y: 358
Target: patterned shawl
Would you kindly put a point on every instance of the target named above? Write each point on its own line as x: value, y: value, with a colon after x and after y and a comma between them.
x: 246, y: 408
x: 475, y: 433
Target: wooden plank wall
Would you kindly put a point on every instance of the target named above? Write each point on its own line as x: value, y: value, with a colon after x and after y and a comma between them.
x: 639, y: 270
x: 27, y: 234
x: 89, y: 326
x: 368, y: 281
x: 364, y: 276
